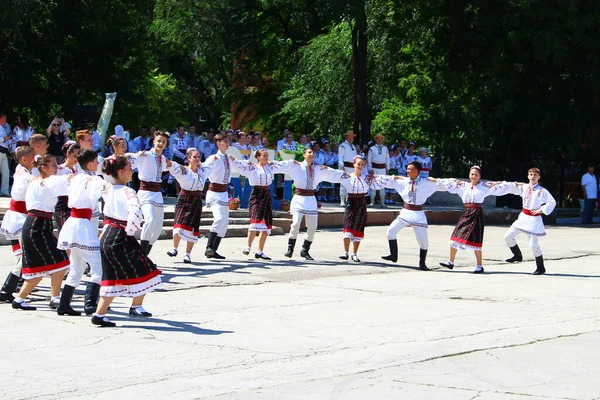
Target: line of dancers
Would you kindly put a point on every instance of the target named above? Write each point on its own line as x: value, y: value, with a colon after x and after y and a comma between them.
x: 119, y: 264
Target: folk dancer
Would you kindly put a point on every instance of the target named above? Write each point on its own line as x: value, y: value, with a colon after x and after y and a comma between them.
x: 536, y: 201
x: 346, y: 153
x: 41, y: 257
x: 14, y: 218
x: 126, y: 269
x: 62, y: 210
x: 414, y: 191
x: 80, y: 236
x: 306, y: 177
x: 150, y: 169
x: 468, y: 233
x: 216, y: 197
x: 260, y: 177
x: 355, y: 215
x: 378, y: 163
x: 188, y: 209
x: 85, y: 140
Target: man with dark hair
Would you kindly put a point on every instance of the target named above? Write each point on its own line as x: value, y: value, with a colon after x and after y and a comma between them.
x: 589, y: 184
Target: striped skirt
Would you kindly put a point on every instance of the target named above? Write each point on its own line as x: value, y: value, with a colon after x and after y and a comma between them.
x: 126, y: 269
x: 41, y: 257
x: 468, y: 233
x: 188, y: 211
x: 355, y: 217
x: 261, y: 213
x: 61, y: 212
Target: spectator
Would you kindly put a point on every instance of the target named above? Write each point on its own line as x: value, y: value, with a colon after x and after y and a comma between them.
x: 303, y: 141
x: 425, y: 161
x: 265, y: 141
x: 22, y: 131
x: 142, y: 142
x: 57, y: 138
x: 5, y: 143
x: 289, y: 143
x: 179, y: 143
x: 96, y: 141
x: 589, y: 184
x: 207, y: 147
x: 231, y: 136
x: 192, y: 132
x: 255, y: 142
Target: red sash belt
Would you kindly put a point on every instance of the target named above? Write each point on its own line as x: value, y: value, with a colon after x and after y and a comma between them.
x: 115, y: 223
x: 81, y: 213
x: 412, y: 207
x: 18, y: 206
x: 379, y: 166
x: 261, y: 187
x: 472, y: 205
x: 191, y: 193
x: 348, y: 164
x: 217, y: 187
x: 40, y: 214
x: 305, y: 192
x: 356, y: 195
x: 150, y: 186
x: 528, y: 212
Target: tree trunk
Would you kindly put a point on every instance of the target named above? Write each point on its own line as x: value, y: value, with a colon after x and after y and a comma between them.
x: 362, y: 112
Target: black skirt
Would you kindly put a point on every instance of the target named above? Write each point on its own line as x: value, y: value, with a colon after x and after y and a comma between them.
x: 61, y: 212
x: 126, y: 269
x: 188, y: 212
x: 261, y: 212
x: 468, y: 233
x: 40, y: 254
x: 355, y: 217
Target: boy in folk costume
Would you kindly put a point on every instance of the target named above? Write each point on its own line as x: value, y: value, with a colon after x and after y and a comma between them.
x: 378, y: 162
x: 536, y: 201
x: 414, y: 190
x: 346, y: 153
x: 217, y: 197
x: 150, y: 169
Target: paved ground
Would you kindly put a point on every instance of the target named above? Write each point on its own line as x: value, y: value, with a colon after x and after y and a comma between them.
x: 240, y: 329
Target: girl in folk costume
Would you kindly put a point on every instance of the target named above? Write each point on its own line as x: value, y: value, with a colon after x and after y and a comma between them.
x: 306, y: 177
x: 62, y: 211
x: 126, y: 269
x: 468, y: 233
x: 425, y: 161
x: 536, y: 201
x: 188, y: 209
x: 150, y: 169
x: 414, y: 190
x: 260, y: 177
x: 80, y: 236
x: 355, y: 215
x: 14, y: 218
x: 216, y: 197
x: 119, y: 148
x: 41, y: 257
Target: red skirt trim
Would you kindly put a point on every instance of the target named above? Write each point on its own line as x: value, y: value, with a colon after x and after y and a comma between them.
x: 133, y: 281
x: 261, y: 221
x: 16, y: 246
x: 463, y: 241
x: 355, y: 233
x: 187, y: 228
x: 45, y: 268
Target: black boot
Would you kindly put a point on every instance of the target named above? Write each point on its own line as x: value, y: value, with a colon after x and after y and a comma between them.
x: 422, y: 257
x: 9, y: 287
x: 517, y: 256
x: 144, y: 245
x: 291, y: 245
x: 539, y: 263
x: 65, y: 302
x: 149, y: 249
x: 305, y: 249
x: 393, y: 257
x: 92, y: 293
x: 216, y: 247
x: 210, y: 251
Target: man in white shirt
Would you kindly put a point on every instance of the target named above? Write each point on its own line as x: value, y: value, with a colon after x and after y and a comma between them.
x: 589, y: 184
x: 378, y: 162
x: 5, y: 143
x: 346, y: 153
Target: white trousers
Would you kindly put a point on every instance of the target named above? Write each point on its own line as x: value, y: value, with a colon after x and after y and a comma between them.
x: 420, y: 232
x: 78, y: 258
x: 510, y: 239
x: 311, y: 225
x: 153, y: 223
x: 5, y: 172
x: 220, y: 219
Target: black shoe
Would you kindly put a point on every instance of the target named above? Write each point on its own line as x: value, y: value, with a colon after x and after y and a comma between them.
x: 290, y: 249
x: 479, y: 270
x: 9, y: 287
x: 54, y: 304
x: 517, y: 255
x: 92, y: 294
x: 539, y: 263
x: 393, y: 257
x: 187, y: 259
x: 67, y: 310
x: 64, y: 307
x: 447, y: 265
x: 217, y: 256
x: 344, y: 257
x: 172, y: 253
x: 23, y: 306
x: 6, y: 298
x: 422, y: 257
x: 136, y: 312
x: 261, y: 256
x: 355, y: 258
x: 103, y: 322
x: 305, y: 249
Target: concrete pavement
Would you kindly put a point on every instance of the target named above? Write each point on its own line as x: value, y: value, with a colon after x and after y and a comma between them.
x: 328, y: 329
